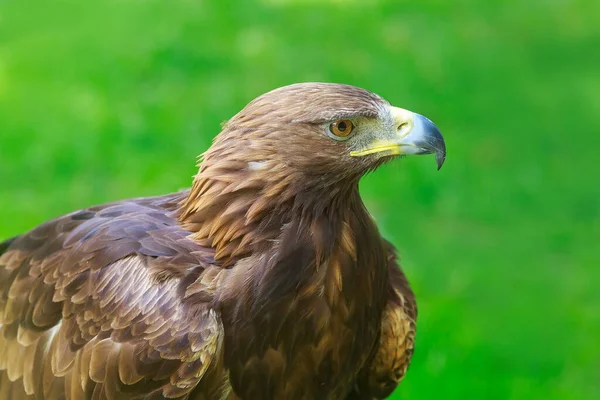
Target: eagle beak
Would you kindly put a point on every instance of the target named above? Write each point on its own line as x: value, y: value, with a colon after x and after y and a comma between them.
x: 418, y: 135
x: 414, y: 134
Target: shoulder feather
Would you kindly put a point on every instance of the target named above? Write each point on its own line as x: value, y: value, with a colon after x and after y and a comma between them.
x: 94, y: 304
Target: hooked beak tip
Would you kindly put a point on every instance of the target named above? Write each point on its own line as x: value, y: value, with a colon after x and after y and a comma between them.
x: 440, y: 157
x: 431, y: 139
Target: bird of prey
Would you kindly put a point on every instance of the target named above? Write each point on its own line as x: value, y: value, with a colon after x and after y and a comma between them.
x: 268, y: 279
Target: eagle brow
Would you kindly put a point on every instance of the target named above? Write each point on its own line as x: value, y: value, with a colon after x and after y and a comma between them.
x: 357, y: 114
x: 339, y: 115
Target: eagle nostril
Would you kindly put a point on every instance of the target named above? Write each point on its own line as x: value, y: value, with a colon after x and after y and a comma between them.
x: 402, y: 129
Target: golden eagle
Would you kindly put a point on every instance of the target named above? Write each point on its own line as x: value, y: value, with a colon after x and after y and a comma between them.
x: 268, y: 279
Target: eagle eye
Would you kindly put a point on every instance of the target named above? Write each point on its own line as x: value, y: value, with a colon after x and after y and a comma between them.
x: 341, y: 129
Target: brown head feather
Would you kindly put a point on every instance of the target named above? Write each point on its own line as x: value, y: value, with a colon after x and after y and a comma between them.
x: 273, y: 160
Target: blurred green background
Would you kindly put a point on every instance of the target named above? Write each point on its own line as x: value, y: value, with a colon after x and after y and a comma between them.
x: 106, y: 100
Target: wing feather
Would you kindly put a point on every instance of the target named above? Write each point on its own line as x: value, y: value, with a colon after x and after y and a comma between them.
x: 394, y: 350
x: 93, y: 305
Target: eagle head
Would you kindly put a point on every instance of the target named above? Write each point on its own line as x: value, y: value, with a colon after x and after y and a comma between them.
x: 329, y: 130
x: 296, y: 148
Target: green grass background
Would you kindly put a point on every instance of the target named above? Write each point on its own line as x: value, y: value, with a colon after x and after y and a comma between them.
x: 106, y: 100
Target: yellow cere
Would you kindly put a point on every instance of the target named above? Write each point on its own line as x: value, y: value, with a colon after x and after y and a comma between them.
x: 378, y: 146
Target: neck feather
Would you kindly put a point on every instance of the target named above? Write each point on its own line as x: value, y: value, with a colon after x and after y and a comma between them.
x: 236, y: 209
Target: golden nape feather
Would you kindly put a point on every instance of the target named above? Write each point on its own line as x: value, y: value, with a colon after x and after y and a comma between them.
x: 268, y: 279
